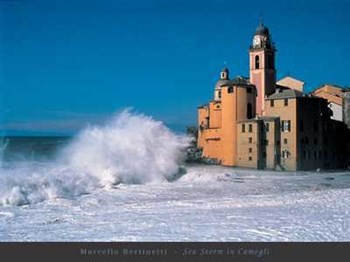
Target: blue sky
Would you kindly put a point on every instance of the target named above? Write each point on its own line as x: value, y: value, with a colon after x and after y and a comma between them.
x: 65, y: 63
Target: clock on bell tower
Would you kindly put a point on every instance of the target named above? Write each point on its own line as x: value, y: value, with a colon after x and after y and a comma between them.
x: 262, y: 71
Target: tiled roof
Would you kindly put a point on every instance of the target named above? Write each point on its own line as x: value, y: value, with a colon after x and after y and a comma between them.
x: 260, y: 118
x: 286, y: 93
x: 238, y: 80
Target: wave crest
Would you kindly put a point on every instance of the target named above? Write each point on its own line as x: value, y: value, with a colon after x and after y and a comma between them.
x: 130, y: 148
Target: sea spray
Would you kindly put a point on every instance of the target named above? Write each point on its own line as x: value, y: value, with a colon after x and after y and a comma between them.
x: 130, y: 148
x: 36, y: 182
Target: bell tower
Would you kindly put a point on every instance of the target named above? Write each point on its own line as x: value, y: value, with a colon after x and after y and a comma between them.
x: 262, y: 71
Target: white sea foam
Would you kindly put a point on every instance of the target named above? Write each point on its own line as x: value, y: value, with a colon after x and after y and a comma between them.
x: 130, y: 148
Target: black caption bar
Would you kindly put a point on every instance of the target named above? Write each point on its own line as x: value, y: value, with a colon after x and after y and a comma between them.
x: 163, y: 251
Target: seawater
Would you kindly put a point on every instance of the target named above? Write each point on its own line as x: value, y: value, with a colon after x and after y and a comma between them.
x: 129, y: 149
x: 120, y: 182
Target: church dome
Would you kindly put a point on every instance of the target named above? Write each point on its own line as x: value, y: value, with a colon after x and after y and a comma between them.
x: 261, y: 30
x: 220, y: 83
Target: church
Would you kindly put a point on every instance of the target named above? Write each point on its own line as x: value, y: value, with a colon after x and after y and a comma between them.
x: 259, y: 123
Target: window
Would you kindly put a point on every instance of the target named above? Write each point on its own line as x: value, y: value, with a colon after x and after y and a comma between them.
x: 217, y: 106
x: 267, y: 127
x: 286, y: 126
x: 257, y: 62
x: 285, y: 102
x: 249, y: 110
x: 285, y: 154
x: 301, y: 125
x: 249, y: 90
x: 264, y: 154
x: 250, y: 150
x: 315, y: 141
x: 219, y: 94
x: 266, y: 142
x: 250, y: 128
x: 315, y: 155
x: 243, y: 128
x: 316, y: 126
x: 285, y: 141
x: 250, y: 140
x: 308, y: 154
x: 302, y: 141
x: 230, y: 90
x: 319, y: 154
x: 272, y: 103
x: 304, y: 154
x: 278, y: 142
x: 250, y: 158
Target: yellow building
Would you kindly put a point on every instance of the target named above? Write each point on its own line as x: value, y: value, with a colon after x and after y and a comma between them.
x: 251, y: 123
x: 234, y: 101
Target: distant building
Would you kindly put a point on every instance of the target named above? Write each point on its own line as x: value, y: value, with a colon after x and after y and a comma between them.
x: 291, y: 83
x: 334, y: 96
x: 257, y: 123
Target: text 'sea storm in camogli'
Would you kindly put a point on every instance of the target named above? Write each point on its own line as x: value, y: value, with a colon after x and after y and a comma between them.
x: 257, y: 122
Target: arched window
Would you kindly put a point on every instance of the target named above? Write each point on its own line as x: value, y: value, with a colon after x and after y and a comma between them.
x: 249, y: 110
x: 257, y: 62
x: 219, y: 94
x: 230, y: 89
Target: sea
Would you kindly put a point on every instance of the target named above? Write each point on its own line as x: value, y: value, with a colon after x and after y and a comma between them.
x: 128, y: 180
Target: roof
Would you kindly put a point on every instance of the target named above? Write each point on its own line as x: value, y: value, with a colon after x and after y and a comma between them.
x: 291, y: 83
x: 260, y: 118
x: 238, y: 80
x: 203, y: 106
x: 249, y: 120
x: 268, y: 118
x: 286, y: 93
x: 329, y: 88
x: 330, y: 92
x: 221, y: 82
x: 261, y: 30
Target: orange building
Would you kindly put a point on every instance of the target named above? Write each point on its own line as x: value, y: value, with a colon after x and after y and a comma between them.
x: 254, y: 122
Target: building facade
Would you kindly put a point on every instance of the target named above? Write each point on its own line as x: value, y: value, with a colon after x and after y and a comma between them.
x: 334, y: 95
x: 257, y: 123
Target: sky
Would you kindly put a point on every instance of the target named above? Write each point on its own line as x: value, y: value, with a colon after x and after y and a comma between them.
x: 66, y: 63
